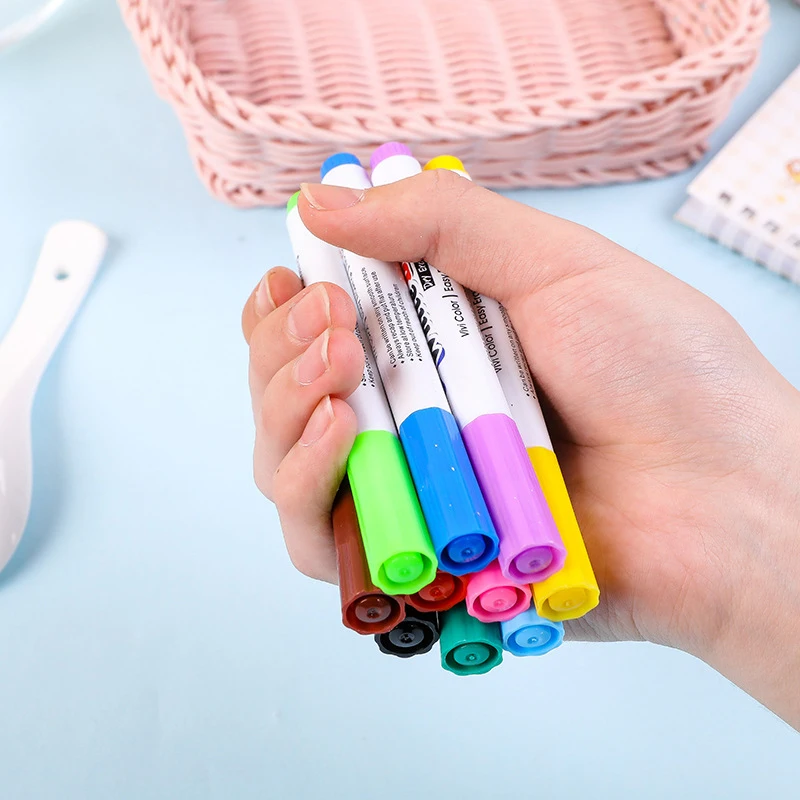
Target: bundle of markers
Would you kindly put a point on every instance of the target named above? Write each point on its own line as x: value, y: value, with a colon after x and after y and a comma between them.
x: 454, y: 524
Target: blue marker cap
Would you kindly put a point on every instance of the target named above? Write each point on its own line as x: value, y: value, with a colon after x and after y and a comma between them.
x: 337, y: 160
x: 528, y: 634
x: 458, y: 520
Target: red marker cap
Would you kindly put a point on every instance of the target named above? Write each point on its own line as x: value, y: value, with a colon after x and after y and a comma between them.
x: 444, y: 592
x: 365, y: 608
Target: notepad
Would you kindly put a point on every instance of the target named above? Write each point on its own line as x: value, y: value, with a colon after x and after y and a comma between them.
x: 748, y: 197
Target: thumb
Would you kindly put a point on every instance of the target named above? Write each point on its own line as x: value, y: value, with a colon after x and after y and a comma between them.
x: 487, y: 242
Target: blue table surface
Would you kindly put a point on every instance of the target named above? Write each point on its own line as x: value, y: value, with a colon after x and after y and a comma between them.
x: 154, y: 640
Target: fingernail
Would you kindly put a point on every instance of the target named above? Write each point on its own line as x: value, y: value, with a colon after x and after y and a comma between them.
x: 320, y: 421
x: 330, y: 198
x: 310, y: 316
x: 314, y: 363
x: 264, y: 304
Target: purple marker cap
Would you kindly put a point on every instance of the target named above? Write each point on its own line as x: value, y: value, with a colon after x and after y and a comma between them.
x: 530, y: 545
x: 386, y: 151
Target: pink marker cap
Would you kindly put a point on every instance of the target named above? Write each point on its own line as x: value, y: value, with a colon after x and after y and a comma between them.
x: 530, y: 545
x: 491, y: 597
x: 387, y: 151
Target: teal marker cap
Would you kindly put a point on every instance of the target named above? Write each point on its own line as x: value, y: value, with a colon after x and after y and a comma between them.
x: 399, y: 552
x: 469, y: 646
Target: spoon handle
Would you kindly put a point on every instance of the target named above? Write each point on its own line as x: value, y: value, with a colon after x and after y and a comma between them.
x: 68, y: 262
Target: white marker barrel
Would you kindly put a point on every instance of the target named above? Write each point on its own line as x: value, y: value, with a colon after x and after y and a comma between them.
x: 505, y: 355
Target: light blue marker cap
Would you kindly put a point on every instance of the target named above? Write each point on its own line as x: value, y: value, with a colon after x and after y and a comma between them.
x: 528, y: 634
x: 459, y: 524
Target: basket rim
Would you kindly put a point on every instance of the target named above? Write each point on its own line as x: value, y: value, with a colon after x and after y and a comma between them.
x: 738, y: 48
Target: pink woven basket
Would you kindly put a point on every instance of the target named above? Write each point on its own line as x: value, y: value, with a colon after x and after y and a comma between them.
x: 526, y: 92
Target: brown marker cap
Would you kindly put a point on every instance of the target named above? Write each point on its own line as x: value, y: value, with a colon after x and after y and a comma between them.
x: 365, y: 608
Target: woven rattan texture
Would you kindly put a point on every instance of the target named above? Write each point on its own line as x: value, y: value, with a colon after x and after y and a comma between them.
x: 525, y: 92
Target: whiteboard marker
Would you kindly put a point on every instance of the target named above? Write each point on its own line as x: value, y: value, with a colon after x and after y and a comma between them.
x: 396, y: 542
x: 573, y: 591
x: 460, y: 527
x: 530, y: 546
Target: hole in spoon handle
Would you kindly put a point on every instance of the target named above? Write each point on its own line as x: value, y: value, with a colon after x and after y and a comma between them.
x: 73, y: 249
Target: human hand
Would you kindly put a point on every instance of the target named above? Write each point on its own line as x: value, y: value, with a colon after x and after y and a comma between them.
x: 304, y: 361
x: 677, y: 439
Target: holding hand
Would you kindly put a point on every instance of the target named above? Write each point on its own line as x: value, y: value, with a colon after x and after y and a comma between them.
x: 677, y: 439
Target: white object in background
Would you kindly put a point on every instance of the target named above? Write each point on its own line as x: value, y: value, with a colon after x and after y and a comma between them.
x: 20, y: 18
x: 68, y: 263
x: 748, y: 197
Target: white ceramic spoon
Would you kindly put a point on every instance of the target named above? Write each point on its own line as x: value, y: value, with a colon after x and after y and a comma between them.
x: 70, y: 257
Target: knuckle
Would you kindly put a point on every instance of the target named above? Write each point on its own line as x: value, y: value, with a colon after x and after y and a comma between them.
x: 448, y: 191
x: 264, y: 480
x: 265, y: 344
x: 346, y: 343
x: 286, y: 493
x: 333, y: 291
x: 271, y: 416
x: 342, y: 308
x: 444, y: 181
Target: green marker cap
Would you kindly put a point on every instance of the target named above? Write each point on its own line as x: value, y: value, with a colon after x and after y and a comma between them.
x: 399, y: 552
x: 469, y: 646
x: 292, y: 202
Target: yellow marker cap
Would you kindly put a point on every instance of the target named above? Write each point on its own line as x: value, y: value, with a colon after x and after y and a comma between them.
x: 573, y: 590
x: 445, y: 162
